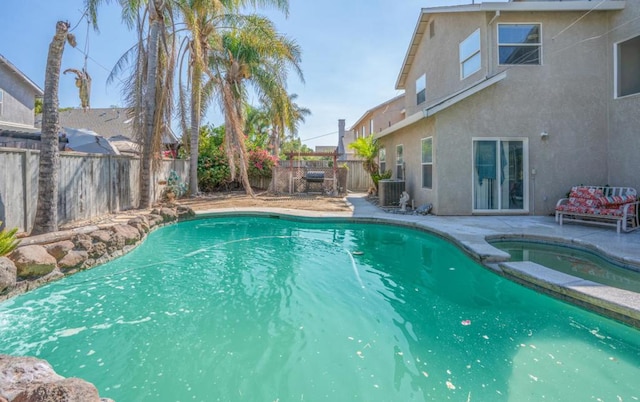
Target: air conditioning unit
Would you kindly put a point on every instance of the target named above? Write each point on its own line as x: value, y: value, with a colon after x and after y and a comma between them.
x: 389, y: 192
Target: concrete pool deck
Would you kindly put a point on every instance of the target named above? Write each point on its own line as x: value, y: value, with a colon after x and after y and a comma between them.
x: 472, y: 234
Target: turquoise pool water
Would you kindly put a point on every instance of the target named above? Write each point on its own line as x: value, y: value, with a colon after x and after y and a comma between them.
x: 261, y: 309
x: 574, y: 262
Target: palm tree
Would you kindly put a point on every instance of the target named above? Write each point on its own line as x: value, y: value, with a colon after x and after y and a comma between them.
x: 198, y: 17
x: 285, y: 115
x: 47, y: 211
x: 202, y: 18
x: 367, y: 148
x: 256, y: 54
x: 149, y: 88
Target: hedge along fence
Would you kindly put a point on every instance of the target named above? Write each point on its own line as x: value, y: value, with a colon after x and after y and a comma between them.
x: 89, y: 185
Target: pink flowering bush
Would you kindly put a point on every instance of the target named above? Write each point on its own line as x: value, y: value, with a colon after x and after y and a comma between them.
x: 261, y: 163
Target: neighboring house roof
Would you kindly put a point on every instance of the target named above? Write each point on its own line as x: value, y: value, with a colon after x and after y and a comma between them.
x: 6, y: 128
x: 21, y: 75
x: 89, y: 142
x: 107, y: 122
x: 373, y: 109
x: 444, y: 103
x: 325, y: 148
x: 521, y: 6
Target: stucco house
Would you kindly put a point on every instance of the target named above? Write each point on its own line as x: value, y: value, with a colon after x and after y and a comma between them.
x: 18, y: 94
x: 507, y: 105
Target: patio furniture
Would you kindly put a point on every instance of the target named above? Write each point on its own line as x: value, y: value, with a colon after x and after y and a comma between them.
x: 609, y: 206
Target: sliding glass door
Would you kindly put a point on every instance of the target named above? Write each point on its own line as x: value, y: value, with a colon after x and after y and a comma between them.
x: 499, y: 174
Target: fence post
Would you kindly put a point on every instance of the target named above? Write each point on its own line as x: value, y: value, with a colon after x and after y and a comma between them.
x: 26, y: 188
x: 110, y: 190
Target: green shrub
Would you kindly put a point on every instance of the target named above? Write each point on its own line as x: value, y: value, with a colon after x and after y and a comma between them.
x: 377, y: 176
x: 213, y: 170
x: 8, y: 241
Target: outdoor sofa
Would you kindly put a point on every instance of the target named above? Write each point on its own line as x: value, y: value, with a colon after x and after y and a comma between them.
x: 610, y: 206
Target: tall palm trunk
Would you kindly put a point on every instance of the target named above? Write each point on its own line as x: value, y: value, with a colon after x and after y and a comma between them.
x: 155, y: 25
x: 196, y: 107
x: 47, y: 211
x: 234, y: 137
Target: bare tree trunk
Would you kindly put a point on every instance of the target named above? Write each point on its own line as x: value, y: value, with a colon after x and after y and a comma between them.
x: 149, y: 104
x: 234, y: 138
x: 196, y: 105
x: 47, y: 211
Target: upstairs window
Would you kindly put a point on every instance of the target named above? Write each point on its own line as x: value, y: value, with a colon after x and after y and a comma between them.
x: 382, y: 158
x: 1, y: 100
x: 519, y: 44
x: 371, y: 126
x: 421, y: 89
x: 470, y: 55
x: 627, y: 59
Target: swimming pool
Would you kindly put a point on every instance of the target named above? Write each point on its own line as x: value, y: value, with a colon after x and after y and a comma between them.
x: 572, y: 261
x: 263, y: 309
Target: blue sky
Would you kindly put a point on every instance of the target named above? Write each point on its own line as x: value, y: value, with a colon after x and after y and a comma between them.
x: 352, y: 53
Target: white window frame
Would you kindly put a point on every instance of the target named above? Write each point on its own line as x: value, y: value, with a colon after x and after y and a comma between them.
x: 371, y: 126
x: 539, y: 44
x: 1, y: 101
x: 364, y: 133
x: 399, y: 161
x: 420, y: 88
x: 426, y: 163
x: 525, y: 178
x: 382, y: 160
x: 464, y: 59
x: 616, y: 68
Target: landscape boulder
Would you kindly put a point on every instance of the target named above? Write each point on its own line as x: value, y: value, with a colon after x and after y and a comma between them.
x: 140, y: 224
x: 83, y: 241
x: 73, y: 259
x: 184, y: 213
x: 167, y: 214
x: 27, y: 379
x: 59, y: 249
x: 33, y: 261
x: 101, y: 236
x: 130, y: 234
x: 8, y: 273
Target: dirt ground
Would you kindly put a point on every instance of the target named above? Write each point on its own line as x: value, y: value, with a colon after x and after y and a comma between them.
x: 233, y: 199
x: 308, y: 202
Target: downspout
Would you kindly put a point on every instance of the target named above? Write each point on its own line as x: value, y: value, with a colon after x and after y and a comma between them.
x: 488, y: 44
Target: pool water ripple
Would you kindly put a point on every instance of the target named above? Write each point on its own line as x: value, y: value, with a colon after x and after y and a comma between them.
x: 259, y: 309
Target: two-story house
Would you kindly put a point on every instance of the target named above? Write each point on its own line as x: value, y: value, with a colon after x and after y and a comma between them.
x: 18, y: 94
x: 507, y: 105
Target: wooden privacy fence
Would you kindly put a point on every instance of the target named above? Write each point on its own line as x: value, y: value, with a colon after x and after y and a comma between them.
x: 89, y: 185
x: 358, y: 180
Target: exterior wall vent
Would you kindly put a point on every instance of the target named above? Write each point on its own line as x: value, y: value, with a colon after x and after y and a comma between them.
x: 389, y: 192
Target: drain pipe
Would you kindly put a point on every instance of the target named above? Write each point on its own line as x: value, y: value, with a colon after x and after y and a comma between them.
x: 533, y: 191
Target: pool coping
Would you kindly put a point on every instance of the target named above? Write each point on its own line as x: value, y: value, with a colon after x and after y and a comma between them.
x: 473, y: 235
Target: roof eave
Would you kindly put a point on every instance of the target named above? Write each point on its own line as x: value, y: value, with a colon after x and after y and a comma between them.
x: 604, y: 5
x: 443, y: 104
x: 27, y: 80
x: 373, y: 109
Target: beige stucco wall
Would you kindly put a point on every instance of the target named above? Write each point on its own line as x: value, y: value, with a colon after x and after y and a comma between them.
x: 567, y: 97
x: 624, y: 113
x: 438, y: 58
x: 18, y: 99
